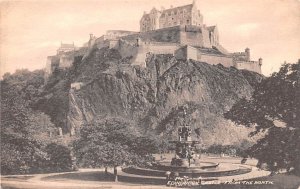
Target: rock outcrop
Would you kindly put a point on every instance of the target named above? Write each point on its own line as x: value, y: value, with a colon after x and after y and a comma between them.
x: 154, y: 97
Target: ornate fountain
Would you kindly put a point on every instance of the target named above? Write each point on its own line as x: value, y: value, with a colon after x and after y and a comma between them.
x: 184, y: 163
x: 185, y: 146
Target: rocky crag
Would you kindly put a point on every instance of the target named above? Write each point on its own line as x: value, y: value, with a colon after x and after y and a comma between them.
x: 152, y: 97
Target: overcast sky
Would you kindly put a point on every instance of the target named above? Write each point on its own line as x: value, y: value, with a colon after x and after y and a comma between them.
x: 33, y: 30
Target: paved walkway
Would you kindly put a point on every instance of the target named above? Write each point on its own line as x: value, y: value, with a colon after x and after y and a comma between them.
x: 38, y: 180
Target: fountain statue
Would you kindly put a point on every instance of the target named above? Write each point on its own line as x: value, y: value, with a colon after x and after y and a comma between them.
x: 185, y: 146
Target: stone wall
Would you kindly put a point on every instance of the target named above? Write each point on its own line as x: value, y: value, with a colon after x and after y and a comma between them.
x: 168, y: 35
x: 153, y: 48
x: 249, y: 65
x: 195, y: 36
x: 102, y: 43
x: 193, y: 53
x: 66, y: 61
x: 113, y: 44
x: 206, y: 40
x: 215, y: 59
x: 49, y: 68
x: 127, y: 49
x: 51, y: 64
x: 192, y: 37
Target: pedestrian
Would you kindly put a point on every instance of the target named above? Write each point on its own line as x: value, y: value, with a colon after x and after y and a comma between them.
x: 168, y: 173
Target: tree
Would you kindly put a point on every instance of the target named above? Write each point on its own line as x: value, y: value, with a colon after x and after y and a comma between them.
x: 111, y: 143
x: 59, y: 157
x: 25, y: 132
x: 274, y: 109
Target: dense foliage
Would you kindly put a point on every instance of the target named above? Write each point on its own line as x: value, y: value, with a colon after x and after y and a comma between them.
x: 274, y: 109
x: 112, y: 142
x: 231, y: 150
x: 25, y: 133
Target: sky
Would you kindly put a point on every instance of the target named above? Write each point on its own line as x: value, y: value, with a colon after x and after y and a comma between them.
x: 31, y: 30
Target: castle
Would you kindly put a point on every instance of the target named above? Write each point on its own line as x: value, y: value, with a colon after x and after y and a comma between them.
x: 183, y: 15
x: 178, y: 31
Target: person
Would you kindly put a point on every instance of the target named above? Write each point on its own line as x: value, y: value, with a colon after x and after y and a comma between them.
x: 199, y: 180
x: 168, y: 173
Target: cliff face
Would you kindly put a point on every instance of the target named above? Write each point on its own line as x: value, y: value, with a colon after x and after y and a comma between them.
x: 154, y: 97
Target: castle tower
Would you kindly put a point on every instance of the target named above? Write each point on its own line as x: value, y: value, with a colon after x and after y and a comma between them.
x: 260, y: 61
x: 197, y: 17
x: 247, y: 51
x: 150, y: 21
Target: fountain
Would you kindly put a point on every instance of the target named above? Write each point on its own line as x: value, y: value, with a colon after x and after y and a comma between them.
x: 185, y: 163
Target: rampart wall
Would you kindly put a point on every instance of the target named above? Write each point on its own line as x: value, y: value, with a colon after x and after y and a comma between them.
x: 249, y: 65
x: 66, y: 61
x: 193, y: 53
x: 153, y: 48
x: 127, y: 49
x: 168, y: 35
x: 215, y: 59
x: 194, y: 36
x: 51, y: 64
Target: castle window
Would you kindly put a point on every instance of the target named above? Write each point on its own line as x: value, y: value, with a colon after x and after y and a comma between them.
x: 187, y: 21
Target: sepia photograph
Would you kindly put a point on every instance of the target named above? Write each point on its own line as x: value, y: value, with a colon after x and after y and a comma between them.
x: 134, y: 94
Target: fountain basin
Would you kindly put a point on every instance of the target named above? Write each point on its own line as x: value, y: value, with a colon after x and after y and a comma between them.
x: 222, y: 169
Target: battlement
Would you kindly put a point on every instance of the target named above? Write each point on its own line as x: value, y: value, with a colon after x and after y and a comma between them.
x: 238, y: 53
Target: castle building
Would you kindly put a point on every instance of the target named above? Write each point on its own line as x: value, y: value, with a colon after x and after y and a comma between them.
x: 183, y: 15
